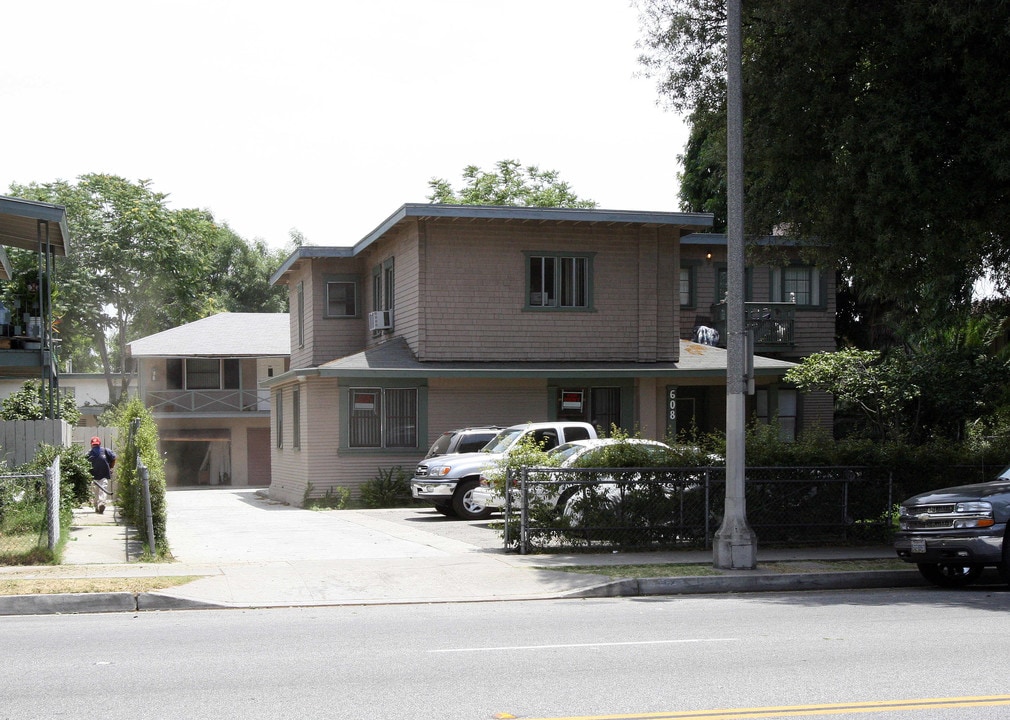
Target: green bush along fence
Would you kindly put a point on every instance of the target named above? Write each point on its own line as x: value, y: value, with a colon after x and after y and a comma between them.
x: 554, y: 509
x: 30, y: 524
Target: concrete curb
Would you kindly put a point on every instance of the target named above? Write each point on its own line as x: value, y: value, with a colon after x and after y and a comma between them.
x: 631, y: 587
x: 104, y: 602
x: 716, y: 585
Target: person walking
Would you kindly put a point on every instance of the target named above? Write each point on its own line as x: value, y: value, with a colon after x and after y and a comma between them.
x: 102, y: 461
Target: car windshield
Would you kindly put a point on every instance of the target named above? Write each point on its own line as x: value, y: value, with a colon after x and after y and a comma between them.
x: 565, y: 451
x: 440, y: 446
x: 501, y: 442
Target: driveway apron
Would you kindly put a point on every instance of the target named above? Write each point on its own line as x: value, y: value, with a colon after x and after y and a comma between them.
x: 241, y: 525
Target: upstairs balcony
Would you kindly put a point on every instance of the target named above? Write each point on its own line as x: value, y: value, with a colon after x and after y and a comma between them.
x: 208, y: 402
x: 773, y: 324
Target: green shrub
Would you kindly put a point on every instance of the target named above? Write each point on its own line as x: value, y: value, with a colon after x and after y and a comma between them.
x: 136, y: 425
x: 335, y: 498
x: 390, y: 488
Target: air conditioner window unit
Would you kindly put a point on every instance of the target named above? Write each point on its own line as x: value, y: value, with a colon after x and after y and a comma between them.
x: 380, y: 320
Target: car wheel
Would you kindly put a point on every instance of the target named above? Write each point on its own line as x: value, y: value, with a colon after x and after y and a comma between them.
x: 950, y: 576
x: 445, y: 509
x: 465, y: 506
x: 1003, y: 568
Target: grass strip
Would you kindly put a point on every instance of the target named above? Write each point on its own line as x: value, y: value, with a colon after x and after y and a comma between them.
x: 51, y: 586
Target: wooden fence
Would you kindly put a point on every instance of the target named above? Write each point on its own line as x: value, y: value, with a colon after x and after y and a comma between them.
x: 20, y: 438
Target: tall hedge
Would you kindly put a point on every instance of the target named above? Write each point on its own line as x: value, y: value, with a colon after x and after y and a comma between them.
x: 143, y: 444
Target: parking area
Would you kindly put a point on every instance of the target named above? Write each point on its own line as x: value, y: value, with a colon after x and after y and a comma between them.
x: 234, y: 525
x: 481, y: 533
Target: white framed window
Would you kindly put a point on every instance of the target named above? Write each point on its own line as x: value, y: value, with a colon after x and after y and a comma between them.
x: 559, y: 281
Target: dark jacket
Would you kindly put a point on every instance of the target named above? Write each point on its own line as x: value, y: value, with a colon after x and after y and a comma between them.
x: 102, y: 462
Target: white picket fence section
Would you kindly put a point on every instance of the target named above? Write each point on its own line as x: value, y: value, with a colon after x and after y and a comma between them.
x: 20, y: 438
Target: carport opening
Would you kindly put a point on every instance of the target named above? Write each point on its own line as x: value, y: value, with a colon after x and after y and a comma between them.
x: 192, y: 463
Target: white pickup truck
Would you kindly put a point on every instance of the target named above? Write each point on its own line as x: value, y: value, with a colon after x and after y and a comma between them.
x: 448, y: 482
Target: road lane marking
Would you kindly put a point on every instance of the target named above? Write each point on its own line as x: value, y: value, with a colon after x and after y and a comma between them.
x: 580, y: 645
x: 806, y: 710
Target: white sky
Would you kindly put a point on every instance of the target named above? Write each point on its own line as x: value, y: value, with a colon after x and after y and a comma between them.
x: 327, y: 116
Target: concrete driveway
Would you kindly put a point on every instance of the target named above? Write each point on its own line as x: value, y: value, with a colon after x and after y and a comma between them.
x: 235, y: 525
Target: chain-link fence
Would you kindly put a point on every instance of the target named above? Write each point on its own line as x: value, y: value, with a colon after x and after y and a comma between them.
x: 24, y: 526
x: 564, y: 509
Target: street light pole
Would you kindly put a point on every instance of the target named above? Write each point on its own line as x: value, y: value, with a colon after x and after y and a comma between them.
x: 735, y: 545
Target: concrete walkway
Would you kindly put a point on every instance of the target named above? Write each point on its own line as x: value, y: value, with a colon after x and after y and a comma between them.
x: 248, y: 551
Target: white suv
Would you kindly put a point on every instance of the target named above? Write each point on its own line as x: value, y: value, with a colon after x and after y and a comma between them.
x: 448, y: 481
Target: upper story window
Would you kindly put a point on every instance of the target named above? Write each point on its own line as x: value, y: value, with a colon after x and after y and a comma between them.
x: 722, y: 283
x: 559, y: 281
x: 341, y: 296
x: 202, y: 374
x: 383, y: 286
x: 300, y: 317
x: 797, y: 283
x: 686, y: 287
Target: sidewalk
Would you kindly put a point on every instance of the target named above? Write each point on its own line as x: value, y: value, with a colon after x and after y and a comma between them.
x: 250, y: 552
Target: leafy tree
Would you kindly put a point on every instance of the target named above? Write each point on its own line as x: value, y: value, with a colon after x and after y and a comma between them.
x: 508, y: 184
x: 137, y: 267
x: 240, y: 274
x: 916, y: 393
x: 30, y: 403
x: 878, y: 128
x: 862, y: 382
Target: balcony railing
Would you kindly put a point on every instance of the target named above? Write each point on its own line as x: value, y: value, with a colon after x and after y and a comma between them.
x: 773, y: 324
x: 208, y: 401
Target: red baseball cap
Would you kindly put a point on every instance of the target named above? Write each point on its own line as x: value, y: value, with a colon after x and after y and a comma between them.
x: 96, y: 440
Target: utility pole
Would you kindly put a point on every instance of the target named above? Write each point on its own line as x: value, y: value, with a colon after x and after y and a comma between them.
x: 735, y: 545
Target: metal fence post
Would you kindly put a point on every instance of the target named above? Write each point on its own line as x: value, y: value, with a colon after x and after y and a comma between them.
x: 53, y: 502
x: 523, y: 515
x: 508, y: 506
x: 145, y: 484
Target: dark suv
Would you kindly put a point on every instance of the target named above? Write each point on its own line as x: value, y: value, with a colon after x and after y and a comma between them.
x: 954, y: 533
x: 464, y: 440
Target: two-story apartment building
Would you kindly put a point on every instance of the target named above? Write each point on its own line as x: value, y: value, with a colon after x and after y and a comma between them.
x: 202, y: 383
x: 28, y: 346
x: 790, y: 308
x: 446, y: 316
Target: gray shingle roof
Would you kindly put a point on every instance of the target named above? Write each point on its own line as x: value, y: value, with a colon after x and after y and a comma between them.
x: 223, y: 335
x: 394, y: 358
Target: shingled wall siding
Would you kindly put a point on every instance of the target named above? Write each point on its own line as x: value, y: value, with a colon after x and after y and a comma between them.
x: 402, y: 247
x: 475, y: 401
x: 474, y: 295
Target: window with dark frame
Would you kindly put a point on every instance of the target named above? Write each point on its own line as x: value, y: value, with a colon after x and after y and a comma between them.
x: 203, y: 374
x: 341, y: 298
x: 686, y: 288
x: 300, y: 319
x: 296, y: 420
x: 279, y: 419
x: 382, y: 418
x: 558, y: 281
